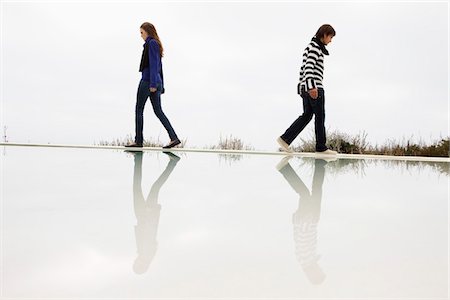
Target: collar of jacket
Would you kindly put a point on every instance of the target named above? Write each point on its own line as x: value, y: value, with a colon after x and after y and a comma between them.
x: 148, y: 39
x: 321, y: 45
x: 144, y: 58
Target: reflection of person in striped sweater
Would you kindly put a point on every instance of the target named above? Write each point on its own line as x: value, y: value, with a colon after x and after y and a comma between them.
x: 311, y: 90
x: 306, y: 218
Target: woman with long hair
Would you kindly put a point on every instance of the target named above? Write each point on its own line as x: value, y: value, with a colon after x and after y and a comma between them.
x: 151, y: 85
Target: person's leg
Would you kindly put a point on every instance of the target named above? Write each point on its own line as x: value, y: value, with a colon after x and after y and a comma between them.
x: 318, y: 106
x: 316, y: 191
x: 294, y: 130
x: 147, y: 221
x: 142, y: 96
x: 294, y: 181
x: 155, y: 98
x: 138, y: 197
x: 152, y: 198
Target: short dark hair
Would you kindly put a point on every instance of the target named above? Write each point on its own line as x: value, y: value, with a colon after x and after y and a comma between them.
x: 325, y: 29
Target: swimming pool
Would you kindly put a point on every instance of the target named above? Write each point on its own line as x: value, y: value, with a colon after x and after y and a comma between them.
x: 89, y: 223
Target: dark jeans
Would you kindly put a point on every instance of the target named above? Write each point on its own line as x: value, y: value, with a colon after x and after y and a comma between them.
x: 311, y: 107
x: 155, y: 98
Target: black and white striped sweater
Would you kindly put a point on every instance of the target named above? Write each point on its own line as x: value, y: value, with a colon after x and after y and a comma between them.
x: 311, y: 72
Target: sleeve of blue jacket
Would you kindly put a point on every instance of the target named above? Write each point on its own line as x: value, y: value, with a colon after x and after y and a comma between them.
x: 153, y: 59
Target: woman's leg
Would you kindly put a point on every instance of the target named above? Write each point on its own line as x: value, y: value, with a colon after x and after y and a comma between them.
x: 142, y: 96
x: 155, y: 98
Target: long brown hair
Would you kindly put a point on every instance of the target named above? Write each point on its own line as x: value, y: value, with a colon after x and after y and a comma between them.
x: 324, y: 30
x: 151, y: 31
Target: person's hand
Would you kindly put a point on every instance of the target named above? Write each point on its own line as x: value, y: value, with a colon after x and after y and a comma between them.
x: 313, y: 93
x: 152, y: 90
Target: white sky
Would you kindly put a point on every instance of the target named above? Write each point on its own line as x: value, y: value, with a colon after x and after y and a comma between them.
x: 69, y: 71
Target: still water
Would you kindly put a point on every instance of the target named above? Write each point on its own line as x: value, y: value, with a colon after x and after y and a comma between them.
x: 88, y: 223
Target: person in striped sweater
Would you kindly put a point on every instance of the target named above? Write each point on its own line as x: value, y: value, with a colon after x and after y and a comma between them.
x: 312, y: 92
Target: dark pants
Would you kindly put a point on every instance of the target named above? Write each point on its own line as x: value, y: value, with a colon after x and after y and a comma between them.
x: 311, y: 107
x: 155, y: 98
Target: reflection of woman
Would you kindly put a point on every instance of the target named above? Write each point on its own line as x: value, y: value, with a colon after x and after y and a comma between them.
x: 147, y: 212
x: 151, y: 85
x: 306, y: 218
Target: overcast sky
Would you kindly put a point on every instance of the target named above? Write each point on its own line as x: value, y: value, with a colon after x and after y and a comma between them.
x: 69, y: 71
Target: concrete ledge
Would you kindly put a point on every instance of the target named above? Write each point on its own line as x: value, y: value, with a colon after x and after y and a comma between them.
x: 251, y: 152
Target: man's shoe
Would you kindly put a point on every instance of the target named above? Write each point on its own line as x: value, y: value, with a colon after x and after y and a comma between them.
x: 172, y: 144
x: 134, y: 145
x: 284, y: 145
x: 327, y: 152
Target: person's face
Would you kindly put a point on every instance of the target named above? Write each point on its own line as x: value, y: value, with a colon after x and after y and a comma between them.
x: 144, y: 34
x: 327, y: 39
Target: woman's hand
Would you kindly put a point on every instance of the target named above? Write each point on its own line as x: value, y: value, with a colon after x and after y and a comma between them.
x: 313, y: 93
x: 152, y: 90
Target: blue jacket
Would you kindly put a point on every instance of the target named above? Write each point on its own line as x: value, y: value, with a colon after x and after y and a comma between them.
x: 153, y: 72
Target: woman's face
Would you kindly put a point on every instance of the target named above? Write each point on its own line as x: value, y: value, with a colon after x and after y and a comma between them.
x: 144, y: 34
x: 327, y: 39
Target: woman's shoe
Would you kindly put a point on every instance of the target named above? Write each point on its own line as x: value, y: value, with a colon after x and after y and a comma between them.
x: 172, y: 144
x: 134, y: 145
x: 172, y: 156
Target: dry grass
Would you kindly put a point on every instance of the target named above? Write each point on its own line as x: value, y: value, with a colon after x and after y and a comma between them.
x: 129, y: 140
x: 438, y: 148
x: 338, y: 141
x: 357, y: 144
x: 231, y: 143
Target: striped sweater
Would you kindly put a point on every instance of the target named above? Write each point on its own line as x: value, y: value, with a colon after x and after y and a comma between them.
x: 311, y: 72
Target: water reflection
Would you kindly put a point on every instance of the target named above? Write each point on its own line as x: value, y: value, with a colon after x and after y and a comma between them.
x: 230, y: 158
x: 307, y: 216
x: 147, y: 211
